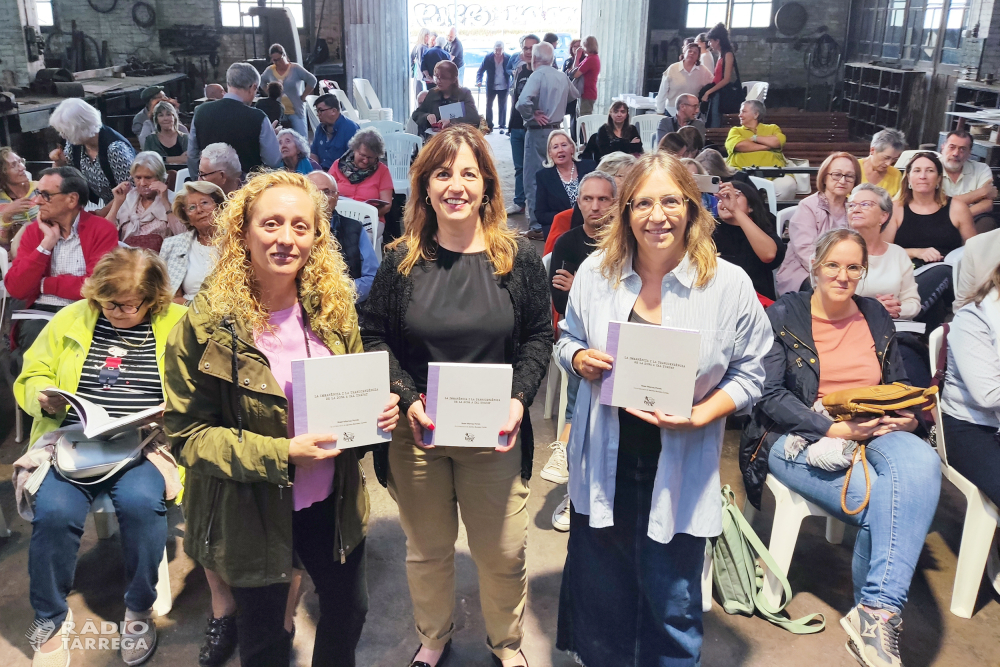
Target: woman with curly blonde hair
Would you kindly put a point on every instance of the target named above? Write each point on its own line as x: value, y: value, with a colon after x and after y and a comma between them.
x: 644, y: 485
x: 279, y: 292
x: 460, y: 287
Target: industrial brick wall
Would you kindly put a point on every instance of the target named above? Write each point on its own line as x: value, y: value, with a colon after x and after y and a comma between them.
x: 991, y: 33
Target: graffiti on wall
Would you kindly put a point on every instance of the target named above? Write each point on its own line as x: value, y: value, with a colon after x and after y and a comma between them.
x: 434, y: 14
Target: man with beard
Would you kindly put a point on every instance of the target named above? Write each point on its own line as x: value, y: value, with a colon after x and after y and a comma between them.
x: 968, y: 181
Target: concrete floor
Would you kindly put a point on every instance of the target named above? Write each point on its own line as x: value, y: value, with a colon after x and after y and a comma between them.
x: 820, y: 576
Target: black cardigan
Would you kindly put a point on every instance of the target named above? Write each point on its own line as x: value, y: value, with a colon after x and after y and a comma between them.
x: 604, y: 141
x: 383, y: 316
x: 550, y: 195
x: 791, y: 384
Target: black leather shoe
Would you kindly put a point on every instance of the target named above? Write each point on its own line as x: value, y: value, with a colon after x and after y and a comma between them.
x: 220, y: 641
x: 440, y: 661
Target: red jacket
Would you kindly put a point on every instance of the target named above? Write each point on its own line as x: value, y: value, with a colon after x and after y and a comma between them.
x: 561, y: 224
x: 98, y: 237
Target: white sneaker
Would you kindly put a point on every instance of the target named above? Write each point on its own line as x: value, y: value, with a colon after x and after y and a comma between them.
x: 38, y: 634
x: 555, y: 470
x: 514, y: 209
x: 560, y: 518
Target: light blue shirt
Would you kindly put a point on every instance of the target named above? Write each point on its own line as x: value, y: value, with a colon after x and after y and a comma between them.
x: 735, y: 336
x: 369, y: 266
x: 972, y: 381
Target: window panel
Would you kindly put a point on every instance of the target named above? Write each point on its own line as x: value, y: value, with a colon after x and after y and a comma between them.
x: 43, y: 9
x: 751, y: 13
x: 716, y: 14
x: 696, y: 15
x: 231, y: 10
x: 741, y: 15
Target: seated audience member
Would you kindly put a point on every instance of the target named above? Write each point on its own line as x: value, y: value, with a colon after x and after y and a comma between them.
x: 295, y: 152
x: 102, y: 155
x: 820, y: 212
x: 214, y: 91
x: 361, y: 176
x: 929, y: 224
x: 272, y: 105
x: 334, y: 132
x: 144, y: 123
x: 597, y: 196
x: 715, y: 165
x: 167, y: 140
x: 757, y: 144
x: 886, y: 147
x: 969, y: 181
x: 617, y: 165
x: 686, y: 77
x: 355, y: 244
x: 686, y: 116
x: 16, y: 193
x: 191, y: 256
x: 747, y: 235
x: 432, y: 57
x: 981, y: 255
x: 143, y: 214
x: 220, y: 165
x: 693, y: 138
x: 970, y: 403
x: 674, y: 144
x: 448, y: 91
x: 558, y: 182
x: 827, y: 340
x: 57, y: 253
x: 125, y: 315
x: 617, y: 135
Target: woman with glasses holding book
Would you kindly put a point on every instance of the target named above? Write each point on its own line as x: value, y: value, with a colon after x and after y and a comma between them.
x: 107, y: 349
x: 826, y: 340
x: 644, y: 485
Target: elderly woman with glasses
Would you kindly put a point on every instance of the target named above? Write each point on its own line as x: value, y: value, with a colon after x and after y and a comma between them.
x: 644, y: 485
x: 16, y: 190
x: 826, y: 340
x: 817, y: 214
x: 107, y: 348
x: 143, y: 213
x: 191, y: 256
x: 361, y: 176
x: 167, y: 139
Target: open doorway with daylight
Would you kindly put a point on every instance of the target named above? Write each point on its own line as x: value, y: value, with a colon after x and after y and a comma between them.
x: 481, y: 25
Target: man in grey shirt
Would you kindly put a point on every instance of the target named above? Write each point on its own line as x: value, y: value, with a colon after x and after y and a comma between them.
x: 542, y: 104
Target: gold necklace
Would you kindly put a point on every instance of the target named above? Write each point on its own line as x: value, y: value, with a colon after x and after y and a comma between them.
x: 132, y: 345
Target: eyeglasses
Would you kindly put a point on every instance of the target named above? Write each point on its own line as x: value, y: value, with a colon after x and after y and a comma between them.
x: 670, y: 204
x: 202, y: 175
x: 47, y: 196
x: 840, y: 176
x: 320, y: 110
x: 832, y: 270
x: 328, y: 192
x: 15, y: 162
x: 863, y: 205
x: 110, y: 306
x: 204, y: 205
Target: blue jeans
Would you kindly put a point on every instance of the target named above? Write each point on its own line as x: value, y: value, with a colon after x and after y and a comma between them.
x: 572, y: 387
x: 61, y: 508
x: 905, y: 483
x: 517, y: 152
x: 299, y: 124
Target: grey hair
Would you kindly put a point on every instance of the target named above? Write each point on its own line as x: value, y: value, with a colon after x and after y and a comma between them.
x: 564, y: 133
x: 714, y: 163
x: 224, y: 157
x: 150, y: 160
x: 607, y: 178
x: 699, y: 167
x: 543, y: 53
x: 441, y: 42
x: 678, y: 100
x: 370, y: 138
x: 498, y: 43
x: 758, y: 108
x: 300, y: 142
x: 75, y: 120
x: 242, y: 76
x: 881, y: 195
x: 162, y: 107
x: 889, y: 138
x: 615, y: 161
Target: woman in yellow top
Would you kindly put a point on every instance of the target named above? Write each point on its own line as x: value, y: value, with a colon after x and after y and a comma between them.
x: 757, y: 144
x: 886, y: 147
x: 16, y: 190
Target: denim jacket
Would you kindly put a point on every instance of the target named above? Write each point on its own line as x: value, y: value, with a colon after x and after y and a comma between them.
x: 734, y: 339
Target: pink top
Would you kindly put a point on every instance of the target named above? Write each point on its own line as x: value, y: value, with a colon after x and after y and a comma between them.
x: 286, y: 344
x: 591, y: 67
x: 366, y: 189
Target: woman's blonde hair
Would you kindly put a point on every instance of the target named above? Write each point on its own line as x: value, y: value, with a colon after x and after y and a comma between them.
x: 419, y: 217
x: 617, y: 241
x: 125, y: 270
x: 905, y: 194
x: 548, y: 142
x: 991, y: 284
x: 201, y: 187
x: 232, y: 287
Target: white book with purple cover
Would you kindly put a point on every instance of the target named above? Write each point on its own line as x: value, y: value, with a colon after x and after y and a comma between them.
x: 468, y: 403
x: 654, y: 368
x: 342, y: 394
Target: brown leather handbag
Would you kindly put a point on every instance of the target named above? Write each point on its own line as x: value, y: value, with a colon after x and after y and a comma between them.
x: 866, y: 403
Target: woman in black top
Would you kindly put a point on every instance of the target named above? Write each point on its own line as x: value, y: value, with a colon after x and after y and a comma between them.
x: 618, y: 134
x: 271, y: 105
x: 460, y: 287
x: 928, y: 225
x: 746, y: 235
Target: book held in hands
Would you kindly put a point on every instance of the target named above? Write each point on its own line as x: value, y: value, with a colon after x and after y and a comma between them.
x: 468, y: 403
x: 97, y: 423
x: 654, y: 368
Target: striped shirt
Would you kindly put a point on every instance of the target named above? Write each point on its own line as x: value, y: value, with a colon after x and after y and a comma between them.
x: 138, y: 384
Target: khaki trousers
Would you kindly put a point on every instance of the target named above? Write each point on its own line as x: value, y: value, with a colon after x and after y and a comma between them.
x: 586, y: 107
x: 430, y: 486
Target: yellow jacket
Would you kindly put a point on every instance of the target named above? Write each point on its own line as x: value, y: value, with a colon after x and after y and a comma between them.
x: 890, y: 182
x: 772, y: 158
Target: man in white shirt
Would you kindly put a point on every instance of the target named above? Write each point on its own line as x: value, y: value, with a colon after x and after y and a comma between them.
x: 688, y: 76
x: 968, y: 181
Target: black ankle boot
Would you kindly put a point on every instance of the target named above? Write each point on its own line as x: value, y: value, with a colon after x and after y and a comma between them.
x: 220, y: 641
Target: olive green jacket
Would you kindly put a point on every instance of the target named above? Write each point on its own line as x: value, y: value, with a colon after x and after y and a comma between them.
x: 233, y: 441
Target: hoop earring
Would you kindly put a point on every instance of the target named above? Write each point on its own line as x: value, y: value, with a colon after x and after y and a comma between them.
x: 427, y: 200
x: 486, y: 200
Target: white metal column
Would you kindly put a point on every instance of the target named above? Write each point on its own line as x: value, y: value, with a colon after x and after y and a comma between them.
x: 622, y: 32
x: 377, y: 48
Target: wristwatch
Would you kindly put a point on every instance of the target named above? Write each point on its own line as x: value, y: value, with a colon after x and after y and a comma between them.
x: 754, y: 138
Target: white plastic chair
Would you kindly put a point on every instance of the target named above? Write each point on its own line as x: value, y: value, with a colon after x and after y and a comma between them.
x: 345, y: 105
x: 758, y: 91
x: 587, y: 126
x: 386, y: 127
x: 981, y: 516
x: 785, y: 217
x: 557, y: 376
x: 647, y: 124
x: 748, y: 86
x: 789, y: 510
x: 183, y: 176
x: 368, y: 103
x: 399, y: 148
x: 106, y: 523
x: 368, y: 216
x: 768, y: 187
